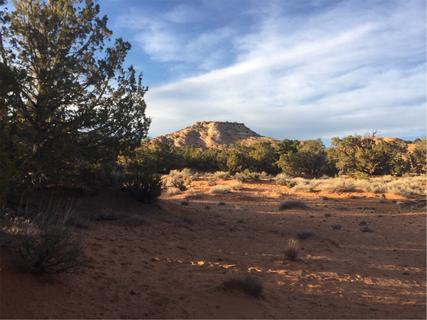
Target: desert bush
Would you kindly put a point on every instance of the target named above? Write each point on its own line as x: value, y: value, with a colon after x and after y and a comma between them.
x: 307, y: 185
x: 144, y: 187
x: 236, y: 186
x: 292, y: 204
x: 339, y: 185
x: 292, y: 250
x: 285, y: 180
x: 173, y: 191
x: 177, y: 179
x: 247, y: 175
x: 212, y: 180
x: 222, y: 175
x: 249, y: 285
x: 46, y: 245
x: 220, y: 189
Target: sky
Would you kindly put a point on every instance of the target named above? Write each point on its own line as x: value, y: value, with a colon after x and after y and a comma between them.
x: 287, y: 68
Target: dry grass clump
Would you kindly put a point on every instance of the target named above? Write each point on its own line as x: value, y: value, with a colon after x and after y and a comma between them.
x: 224, y: 175
x: 41, y: 240
x: 407, y: 186
x: 220, y: 189
x: 339, y: 185
x: 247, y: 176
x: 178, y: 179
x: 291, y: 252
x: 249, y: 285
x: 284, y: 180
x: 292, y: 204
x: 236, y: 186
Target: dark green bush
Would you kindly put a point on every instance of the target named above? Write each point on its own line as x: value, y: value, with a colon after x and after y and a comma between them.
x: 144, y: 187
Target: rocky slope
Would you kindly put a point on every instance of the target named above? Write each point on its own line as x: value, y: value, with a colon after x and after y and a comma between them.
x: 211, y: 134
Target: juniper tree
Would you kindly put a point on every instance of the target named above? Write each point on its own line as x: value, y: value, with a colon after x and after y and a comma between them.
x: 65, y: 93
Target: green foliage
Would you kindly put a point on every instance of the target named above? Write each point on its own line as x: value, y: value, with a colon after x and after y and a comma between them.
x: 418, y: 157
x: 139, y: 176
x: 65, y: 97
x: 369, y: 156
x: 263, y: 157
x: 309, y: 160
x: 143, y: 186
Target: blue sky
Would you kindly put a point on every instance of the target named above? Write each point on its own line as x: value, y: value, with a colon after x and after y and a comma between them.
x: 296, y: 69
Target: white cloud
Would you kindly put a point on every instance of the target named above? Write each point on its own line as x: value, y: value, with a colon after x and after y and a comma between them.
x: 344, y: 70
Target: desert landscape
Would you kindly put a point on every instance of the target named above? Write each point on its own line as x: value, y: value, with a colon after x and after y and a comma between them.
x: 218, y: 159
x: 360, y: 255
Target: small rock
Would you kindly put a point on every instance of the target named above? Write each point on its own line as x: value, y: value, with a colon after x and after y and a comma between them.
x: 336, y: 227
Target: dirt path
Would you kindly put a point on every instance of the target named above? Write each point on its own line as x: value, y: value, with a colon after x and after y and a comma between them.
x: 172, y: 266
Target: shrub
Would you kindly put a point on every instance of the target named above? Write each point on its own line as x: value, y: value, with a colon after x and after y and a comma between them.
x: 292, y: 204
x: 144, y: 187
x: 284, y: 180
x: 177, y: 179
x: 249, y: 285
x: 212, y: 180
x: 339, y: 185
x: 247, y: 175
x: 291, y: 252
x: 221, y: 189
x: 222, y: 175
x: 47, y: 246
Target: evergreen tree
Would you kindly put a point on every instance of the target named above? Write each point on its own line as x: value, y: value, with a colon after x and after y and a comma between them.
x: 68, y: 97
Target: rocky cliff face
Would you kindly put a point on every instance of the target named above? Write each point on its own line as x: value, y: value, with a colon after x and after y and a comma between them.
x: 210, y: 134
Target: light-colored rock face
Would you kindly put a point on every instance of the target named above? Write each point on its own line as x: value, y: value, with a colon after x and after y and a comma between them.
x: 210, y: 134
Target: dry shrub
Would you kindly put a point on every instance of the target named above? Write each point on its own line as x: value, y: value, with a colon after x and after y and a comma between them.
x: 236, y: 186
x: 173, y: 191
x: 405, y: 186
x: 292, y: 204
x: 212, y: 180
x: 291, y: 252
x: 178, y: 179
x: 224, y: 175
x: 221, y: 189
x: 339, y: 185
x: 46, y: 244
x: 284, y: 180
x: 247, y: 175
x: 249, y: 285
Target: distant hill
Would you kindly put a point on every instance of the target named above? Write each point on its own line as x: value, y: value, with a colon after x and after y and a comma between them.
x: 216, y: 134
x: 212, y: 134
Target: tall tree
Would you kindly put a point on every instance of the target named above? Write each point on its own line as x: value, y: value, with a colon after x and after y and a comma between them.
x: 69, y: 99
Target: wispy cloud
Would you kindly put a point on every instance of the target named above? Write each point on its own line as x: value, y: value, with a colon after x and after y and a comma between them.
x: 315, y: 70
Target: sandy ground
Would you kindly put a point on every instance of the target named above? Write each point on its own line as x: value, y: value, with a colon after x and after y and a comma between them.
x: 172, y: 265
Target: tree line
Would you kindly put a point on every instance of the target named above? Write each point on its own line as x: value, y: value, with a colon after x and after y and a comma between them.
x: 352, y: 155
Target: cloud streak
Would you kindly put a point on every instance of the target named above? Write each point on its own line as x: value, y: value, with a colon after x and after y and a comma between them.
x: 295, y: 72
